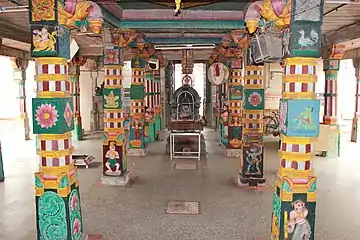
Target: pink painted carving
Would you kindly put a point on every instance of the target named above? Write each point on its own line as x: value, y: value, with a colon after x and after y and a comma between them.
x: 68, y: 114
x: 255, y: 99
x: 46, y: 115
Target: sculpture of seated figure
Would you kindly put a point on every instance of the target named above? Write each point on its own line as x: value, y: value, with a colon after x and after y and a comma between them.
x: 185, y: 112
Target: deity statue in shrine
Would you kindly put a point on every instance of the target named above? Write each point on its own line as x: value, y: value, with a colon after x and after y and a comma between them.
x: 112, y: 161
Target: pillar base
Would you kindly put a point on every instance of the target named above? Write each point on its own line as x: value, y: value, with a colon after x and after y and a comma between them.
x: 330, y: 120
x: 249, y: 181
x: 233, y: 153
x: 136, y: 152
x: 354, y: 130
x: 116, y: 181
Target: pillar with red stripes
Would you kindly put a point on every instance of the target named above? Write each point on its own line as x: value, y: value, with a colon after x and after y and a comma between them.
x: 114, y: 142
x: 74, y: 73
x: 150, y: 106
x: 252, y: 159
x: 157, y: 100
x: 331, y: 68
x: 137, y: 113
x: 355, y: 122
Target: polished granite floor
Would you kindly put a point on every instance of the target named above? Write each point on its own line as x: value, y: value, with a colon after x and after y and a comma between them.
x: 226, y: 212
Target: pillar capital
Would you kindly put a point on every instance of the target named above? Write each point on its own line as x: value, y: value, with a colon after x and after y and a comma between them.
x: 336, y: 51
x: 356, y: 63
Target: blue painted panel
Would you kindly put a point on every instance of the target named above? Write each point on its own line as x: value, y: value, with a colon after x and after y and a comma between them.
x: 302, y: 118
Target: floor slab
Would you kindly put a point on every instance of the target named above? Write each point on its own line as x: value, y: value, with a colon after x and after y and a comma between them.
x: 227, y: 212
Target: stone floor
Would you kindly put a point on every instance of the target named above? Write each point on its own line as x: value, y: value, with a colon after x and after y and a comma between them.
x: 225, y: 211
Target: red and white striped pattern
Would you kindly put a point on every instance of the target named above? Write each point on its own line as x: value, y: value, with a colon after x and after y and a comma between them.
x: 254, y: 72
x: 113, y: 124
x: 112, y: 114
x: 138, y: 76
x: 137, y: 107
x: 235, y: 73
x: 254, y: 125
x: 109, y: 82
x: 235, y: 104
x: 55, y: 162
x: 298, y: 87
x: 53, y: 86
x: 253, y: 115
x: 254, y: 81
x: 296, y: 148
x: 148, y: 100
x: 296, y: 165
x: 113, y: 71
x: 55, y: 145
x: 299, y: 69
x: 51, y: 69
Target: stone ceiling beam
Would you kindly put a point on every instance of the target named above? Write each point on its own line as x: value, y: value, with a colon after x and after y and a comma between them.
x: 153, y: 14
x: 14, y: 32
x: 181, y: 24
x: 351, y: 54
x: 16, y: 53
x: 344, y: 34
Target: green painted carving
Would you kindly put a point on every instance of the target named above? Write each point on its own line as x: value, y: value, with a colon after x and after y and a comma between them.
x: 137, y: 92
x: 312, y: 187
x: 286, y: 187
x: 75, y: 215
x: 64, y: 182
x: 38, y: 182
x: 52, y: 217
x: 277, y: 207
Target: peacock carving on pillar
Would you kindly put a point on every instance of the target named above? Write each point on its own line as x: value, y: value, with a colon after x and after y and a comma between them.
x: 73, y: 11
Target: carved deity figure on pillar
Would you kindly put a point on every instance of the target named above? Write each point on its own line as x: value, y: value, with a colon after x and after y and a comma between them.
x: 224, y: 120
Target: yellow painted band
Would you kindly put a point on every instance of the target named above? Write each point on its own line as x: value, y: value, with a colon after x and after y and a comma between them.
x: 249, y: 68
x: 113, y: 110
x: 57, y: 170
x: 51, y: 77
x: 113, y: 86
x: 251, y: 130
x: 39, y: 191
x: 311, y: 197
x: 248, y: 120
x: 254, y: 86
x: 253, y: 77
x: 331, y: 72
x: 137, y: 83
x: 54, y: 136
x: 248, y: 143
x: 118, y: 143
x: 134, y: 101
x: 286, y: 197
x: 137, y: 76
x: 113, y: 67
x: 253, y: 111
x: 235, y: 84
x: 138, y: 69
x: 298, y: 157
x: 51, y: 60
x: 64, y: 192
x: 299, y: 95
x: 57, y: 154
x: 296, y: 140
x: 117, y: 130
x: 111, y: 77
x: 300, y: 61
x: 294, y: 174
x: 113, y: 119
x: 305, y: 78
x: 53, y: 94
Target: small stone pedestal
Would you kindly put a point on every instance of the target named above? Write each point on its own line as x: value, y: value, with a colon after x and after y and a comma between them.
x: 250, y: 182
x: 233, y: 153
x: 116, y: 181
x: 136, y: 152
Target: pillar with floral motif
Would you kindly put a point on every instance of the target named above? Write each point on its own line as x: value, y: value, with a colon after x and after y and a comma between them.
x: 355, y: 121
x: 252, y: 159
x: 57, y: 181
x: 294, y: 196
x: 74, y: 73
x: 20, y: 66
x: 114, y: 141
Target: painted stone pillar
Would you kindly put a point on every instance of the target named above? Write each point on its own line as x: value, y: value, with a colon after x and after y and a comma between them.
x: 20, y: 66
x: 137, y: 112
x: 2, y: 175
x: 294, y: 196
x: 114, y: 142
x: 234, y: 122
x: 331, y: 68
x: 74, y: 73
x: 149, y: 131
x: 355, y: 122
x: 252, y: 158
x: 157, y: 100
